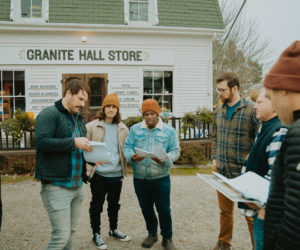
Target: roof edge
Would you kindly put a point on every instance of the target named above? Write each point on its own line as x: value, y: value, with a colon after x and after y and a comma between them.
x: 65, y: 27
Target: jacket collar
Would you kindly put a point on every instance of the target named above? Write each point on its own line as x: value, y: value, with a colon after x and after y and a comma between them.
x: 159, y: 125
x: 58, y: 104
x: 99, y: 123
x: 296, y: 115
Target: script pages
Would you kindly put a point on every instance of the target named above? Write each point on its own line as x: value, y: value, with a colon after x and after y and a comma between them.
x: 250, y: 185
x: 157, y: 152
x: 99, y: 153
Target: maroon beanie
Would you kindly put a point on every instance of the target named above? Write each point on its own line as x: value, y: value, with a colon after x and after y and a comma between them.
x: 285, y: 73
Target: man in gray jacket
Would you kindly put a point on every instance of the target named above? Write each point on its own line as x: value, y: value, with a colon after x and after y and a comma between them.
x: 60, y: 140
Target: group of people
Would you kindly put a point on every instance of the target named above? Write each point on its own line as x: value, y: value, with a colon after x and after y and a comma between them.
x: 248, y: 137
x: 61, y: 138
x: 262, y: 138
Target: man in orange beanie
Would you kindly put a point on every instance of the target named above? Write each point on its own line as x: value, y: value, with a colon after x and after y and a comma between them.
x: 152, y: 175
x: 282, y: 221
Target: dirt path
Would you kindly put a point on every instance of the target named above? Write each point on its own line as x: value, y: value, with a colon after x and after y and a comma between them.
x: 194, y: 211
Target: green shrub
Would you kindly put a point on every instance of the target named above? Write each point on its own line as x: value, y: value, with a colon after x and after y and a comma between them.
x: 191, y: 153
x: 18, y: 125
x: 193, y: 119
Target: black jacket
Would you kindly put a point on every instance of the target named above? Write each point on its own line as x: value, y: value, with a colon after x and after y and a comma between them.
x: 282, y: 221
x: 54, y: 145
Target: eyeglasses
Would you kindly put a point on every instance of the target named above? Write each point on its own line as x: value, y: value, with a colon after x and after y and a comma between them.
x: 219, y: 91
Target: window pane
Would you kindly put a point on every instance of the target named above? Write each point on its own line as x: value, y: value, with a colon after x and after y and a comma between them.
x: 148, y: 82
x: 97, y: 87
x: 19, y: 83
x: 143, y: 12
x: 168, y: 82
x: 158, y: 81
x: 1, y: 109
x: 138, y: 10
x: 36, y: 8
x: 133, y: 10
x: 20, y: 103
x: 7, y: 108
x: 147, y: 97
x: 8, y: 83
x: 25, y: 8
x: 167, y: 104
x: 1, y: 86
x: 158, y: 98
x: 95, y: 101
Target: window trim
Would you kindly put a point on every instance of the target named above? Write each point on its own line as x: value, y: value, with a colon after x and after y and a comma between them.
x: 152, y: 14
x: 15, y: 13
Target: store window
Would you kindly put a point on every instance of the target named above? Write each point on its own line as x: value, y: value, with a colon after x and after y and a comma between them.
x: 141, y: 12
x: 138, y: 10
x: 158, y: 85
x: 12, y: 93
x: 29, y: 10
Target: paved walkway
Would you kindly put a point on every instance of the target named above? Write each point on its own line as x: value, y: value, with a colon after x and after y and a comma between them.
x: 194, y: 210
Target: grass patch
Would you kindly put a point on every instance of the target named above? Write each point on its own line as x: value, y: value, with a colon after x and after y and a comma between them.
x: 15, y: 179
x: 174, y: 172
x: 183, y: 171
x: 190, y: 171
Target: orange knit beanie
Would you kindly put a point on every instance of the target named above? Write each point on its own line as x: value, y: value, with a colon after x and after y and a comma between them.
x: 150, y: 105
x: 111, y: 99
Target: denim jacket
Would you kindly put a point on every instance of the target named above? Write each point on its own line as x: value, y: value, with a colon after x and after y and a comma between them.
x: 141, y: 137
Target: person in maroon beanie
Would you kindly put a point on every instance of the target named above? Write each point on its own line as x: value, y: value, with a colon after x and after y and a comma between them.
x: 282, y: 221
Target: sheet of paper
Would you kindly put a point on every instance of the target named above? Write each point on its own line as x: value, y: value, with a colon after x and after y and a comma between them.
x: 223, y: 188
x: 99, y: 153
x: 157, y: 152
x: 250, y: 185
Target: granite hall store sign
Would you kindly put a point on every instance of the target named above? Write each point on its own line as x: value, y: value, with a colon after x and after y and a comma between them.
x: 39, y: 55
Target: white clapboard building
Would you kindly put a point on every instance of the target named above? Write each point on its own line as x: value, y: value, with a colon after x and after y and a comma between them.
x: 139, y: 49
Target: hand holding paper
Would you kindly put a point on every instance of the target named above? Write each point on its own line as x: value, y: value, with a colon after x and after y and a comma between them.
x: 158, y: 154
x: 99, y: 153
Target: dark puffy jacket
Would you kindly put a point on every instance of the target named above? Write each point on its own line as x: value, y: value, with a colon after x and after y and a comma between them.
x: 282, y: 222
x: 54, y: 145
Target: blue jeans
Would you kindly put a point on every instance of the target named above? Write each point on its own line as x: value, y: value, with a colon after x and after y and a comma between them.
x: 258, y: 233
x: 155, y: 192
x: 63, y: 206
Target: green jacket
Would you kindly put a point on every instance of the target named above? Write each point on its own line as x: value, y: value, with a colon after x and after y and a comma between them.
x: 54, y: 145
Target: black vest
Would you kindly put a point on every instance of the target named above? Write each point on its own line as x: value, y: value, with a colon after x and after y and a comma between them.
x: 257, y: 160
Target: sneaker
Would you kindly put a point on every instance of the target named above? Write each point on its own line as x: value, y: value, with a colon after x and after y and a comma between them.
x: 98, y: 241
x: 148, y: 242
x: 222, y: 246
x: 117, y: 234
x: 168, y: 244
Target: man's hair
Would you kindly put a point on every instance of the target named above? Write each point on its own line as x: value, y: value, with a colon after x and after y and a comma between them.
x: 231, y: 78
x: 75, y: 86
x: 101, y: 116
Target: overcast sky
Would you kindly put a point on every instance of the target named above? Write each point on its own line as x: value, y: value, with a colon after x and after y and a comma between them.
x: 278, y: 21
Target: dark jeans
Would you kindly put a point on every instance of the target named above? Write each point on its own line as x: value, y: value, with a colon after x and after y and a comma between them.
x: 258, y: 233
x: 101, y: 187
x: 150, y: 192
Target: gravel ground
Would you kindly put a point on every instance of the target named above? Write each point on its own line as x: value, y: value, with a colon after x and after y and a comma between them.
x: 194, y: 212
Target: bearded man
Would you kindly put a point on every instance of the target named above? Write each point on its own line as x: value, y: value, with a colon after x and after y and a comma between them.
x: 235, y: 126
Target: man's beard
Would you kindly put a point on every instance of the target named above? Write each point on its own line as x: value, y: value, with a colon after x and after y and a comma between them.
x: 227, y: 100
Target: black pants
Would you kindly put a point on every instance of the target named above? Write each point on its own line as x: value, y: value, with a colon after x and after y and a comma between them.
x: 102, y: 187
